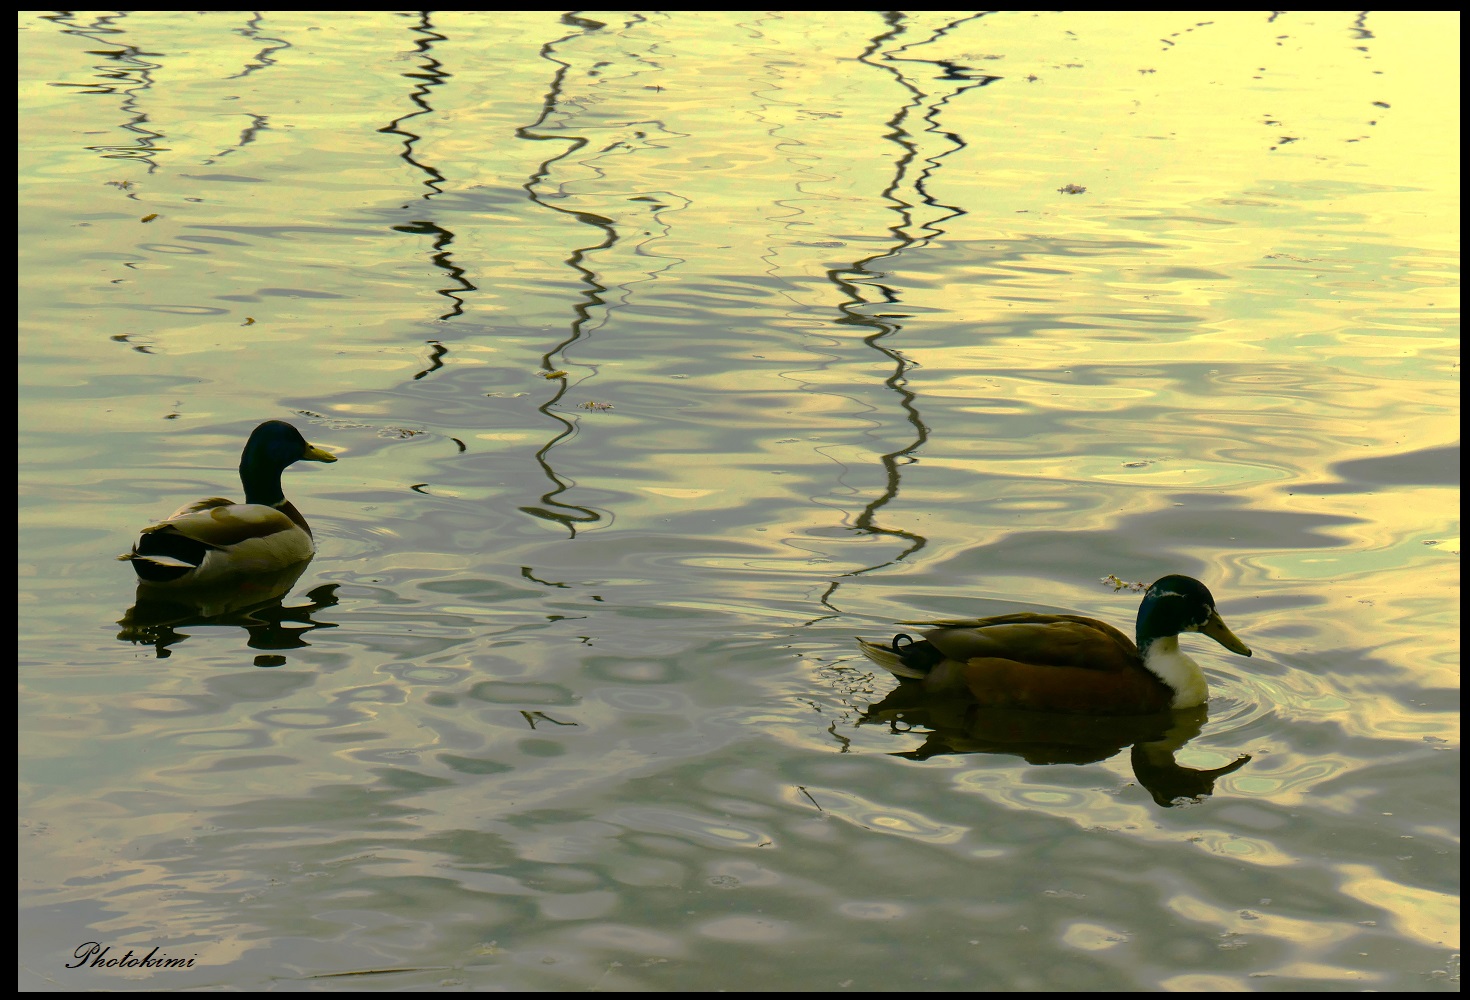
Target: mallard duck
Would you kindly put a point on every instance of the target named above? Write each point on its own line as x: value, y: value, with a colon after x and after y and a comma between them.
x: 216, y: 539
x: 1067, y: 663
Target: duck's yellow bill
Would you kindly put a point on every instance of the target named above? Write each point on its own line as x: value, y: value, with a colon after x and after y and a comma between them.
x: 1216, y: 629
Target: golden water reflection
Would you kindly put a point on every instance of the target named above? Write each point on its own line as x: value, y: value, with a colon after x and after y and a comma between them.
x: 858, y: 316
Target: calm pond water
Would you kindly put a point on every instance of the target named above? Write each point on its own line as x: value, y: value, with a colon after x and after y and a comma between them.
x: 664, y: 354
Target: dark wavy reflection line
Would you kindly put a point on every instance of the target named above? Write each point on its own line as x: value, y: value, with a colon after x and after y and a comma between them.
x: 437, y: 353
x: 566, y: 514
x: 430, y: 75
x: 592, y: 295
x: 857, y: 284
x: 258, y: 124
x: 859, y: 281
x: 852, y: 282
x: 263, y: 57
x: 443, y: 260
x: 130, y: 75
x: 929, y: 108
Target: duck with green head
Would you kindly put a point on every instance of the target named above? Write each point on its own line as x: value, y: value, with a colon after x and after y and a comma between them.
x: 1067, y: 663
x: 216, y: 539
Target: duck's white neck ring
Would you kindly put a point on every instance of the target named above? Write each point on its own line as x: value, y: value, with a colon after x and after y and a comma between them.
x: 1163, y: 658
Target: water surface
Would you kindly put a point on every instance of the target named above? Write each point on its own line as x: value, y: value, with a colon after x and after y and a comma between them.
x: 666, y: 353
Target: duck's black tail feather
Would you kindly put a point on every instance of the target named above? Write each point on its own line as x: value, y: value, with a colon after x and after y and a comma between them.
x: 903, y: 657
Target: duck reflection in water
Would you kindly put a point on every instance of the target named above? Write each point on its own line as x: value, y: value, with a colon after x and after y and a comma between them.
x: 953, y: 726
x: 252, y: 603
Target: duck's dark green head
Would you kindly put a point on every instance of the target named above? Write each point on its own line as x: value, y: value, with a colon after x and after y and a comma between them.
x: 274, y: 445
x: 1177, y: 604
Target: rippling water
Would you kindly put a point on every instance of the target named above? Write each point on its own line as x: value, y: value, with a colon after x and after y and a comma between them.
x: 665, y: 354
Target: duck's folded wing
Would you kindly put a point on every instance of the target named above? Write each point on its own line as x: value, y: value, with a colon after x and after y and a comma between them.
x: 1051, y: 641
x: 223, y: 525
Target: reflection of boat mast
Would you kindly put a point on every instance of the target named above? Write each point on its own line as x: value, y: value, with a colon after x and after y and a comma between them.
x: 863, y: 277
x: 552, y: 509
x: 893, y: 461
x: 566, y: 514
